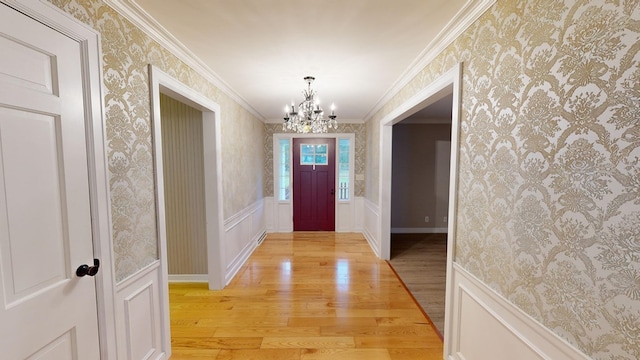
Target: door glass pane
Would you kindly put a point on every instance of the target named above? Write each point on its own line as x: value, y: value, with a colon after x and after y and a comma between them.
x: 321, y: 149
x: 307, y: 160
x: 321, y: 160
x: 344, y: 147
x: 306, y: 149
x: 313, y: 154
x: 284, y: 172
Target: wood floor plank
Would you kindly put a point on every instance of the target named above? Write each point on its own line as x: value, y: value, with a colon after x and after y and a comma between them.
x: 398, y: 342
x: 215, y: 343
x: 262, y: 354
x: 332, y: 321
x: 192, y: 331
x: 308, y: 342
x: 195, y: 354
x: 351, y: 330
x: 265, y: 331
x: 346, y: 354
x: 411, y: 354
x: 310, y: 295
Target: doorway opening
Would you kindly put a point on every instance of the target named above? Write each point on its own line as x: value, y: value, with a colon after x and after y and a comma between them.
x: 448, y: 84
x: 212, y: 163
x: 184, y: 194
x: 421, y: 151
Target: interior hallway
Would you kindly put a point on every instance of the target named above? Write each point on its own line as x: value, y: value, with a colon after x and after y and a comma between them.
x: 303, y: 295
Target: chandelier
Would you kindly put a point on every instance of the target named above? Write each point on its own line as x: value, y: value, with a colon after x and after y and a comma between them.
x: 309, y: 117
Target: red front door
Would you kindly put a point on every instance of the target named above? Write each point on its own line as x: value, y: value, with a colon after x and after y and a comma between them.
x: 314, y: 174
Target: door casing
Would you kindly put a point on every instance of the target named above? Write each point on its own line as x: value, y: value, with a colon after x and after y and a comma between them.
x: 162, y: 82
x: 431, y: 93
x: 283, y: 209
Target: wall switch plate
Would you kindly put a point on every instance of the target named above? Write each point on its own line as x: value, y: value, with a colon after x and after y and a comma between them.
x: 426, y: 219
x: 445, y: 219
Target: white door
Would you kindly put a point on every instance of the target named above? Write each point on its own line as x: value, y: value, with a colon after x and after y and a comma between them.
x: 46, y: 310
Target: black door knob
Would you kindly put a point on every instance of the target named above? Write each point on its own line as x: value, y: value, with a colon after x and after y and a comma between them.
x: 85, y: 269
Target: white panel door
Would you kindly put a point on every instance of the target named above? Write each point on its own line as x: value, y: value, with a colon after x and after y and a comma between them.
x: 46, y: 310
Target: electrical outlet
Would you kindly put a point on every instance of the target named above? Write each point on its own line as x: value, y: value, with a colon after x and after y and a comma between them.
x: 445, y: 219
x: 426, y: 219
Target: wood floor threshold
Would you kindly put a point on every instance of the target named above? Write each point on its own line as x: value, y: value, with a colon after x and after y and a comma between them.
x: 416, y: 301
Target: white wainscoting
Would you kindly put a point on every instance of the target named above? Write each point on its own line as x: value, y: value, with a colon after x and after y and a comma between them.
x: 358, y: 220
x: 279, y: 216
x: 485, y: 326
x: 345, y: 216
x: 371, y: 228
x: 269, y: 214
x: 138, y: 306
x: 243, y: 232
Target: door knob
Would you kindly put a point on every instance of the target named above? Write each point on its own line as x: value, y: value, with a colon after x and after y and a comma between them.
x: 85, y: 269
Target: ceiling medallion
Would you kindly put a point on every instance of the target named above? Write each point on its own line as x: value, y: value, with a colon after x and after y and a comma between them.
x: 309, y: 117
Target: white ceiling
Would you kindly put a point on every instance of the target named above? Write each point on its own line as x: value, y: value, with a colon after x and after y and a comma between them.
x: 356, y: 49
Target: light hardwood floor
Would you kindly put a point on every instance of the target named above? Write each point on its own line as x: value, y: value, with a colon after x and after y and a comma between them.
x: 303, y: 296
x: 421, y: 262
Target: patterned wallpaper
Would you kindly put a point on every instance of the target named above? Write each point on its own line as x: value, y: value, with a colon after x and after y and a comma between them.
x: 359, y: 156
x: 126, y: 51
x: 549, y: 199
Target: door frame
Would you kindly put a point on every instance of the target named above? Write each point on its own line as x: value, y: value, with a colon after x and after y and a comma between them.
x: 284, y: 208
x: 424, y: 98
x: 296, y: 169
x: 160, y: 82
x: 91, y: 55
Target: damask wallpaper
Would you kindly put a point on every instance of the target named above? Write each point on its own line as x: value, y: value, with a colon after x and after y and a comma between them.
x: 126, y: 52
x: 359, y: 156
x: 549, y: 192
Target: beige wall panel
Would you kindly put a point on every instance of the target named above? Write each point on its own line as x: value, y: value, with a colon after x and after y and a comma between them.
x: 417, y: 187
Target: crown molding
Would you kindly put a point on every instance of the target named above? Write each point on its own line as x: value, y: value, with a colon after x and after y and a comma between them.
x: 140, y: 18
x: 471, y: 11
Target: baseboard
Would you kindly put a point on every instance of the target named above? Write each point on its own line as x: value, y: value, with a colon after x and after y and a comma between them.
x: 177, y: 278
x: 419, y: 230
